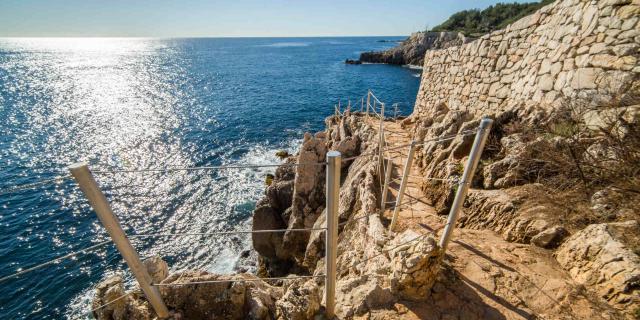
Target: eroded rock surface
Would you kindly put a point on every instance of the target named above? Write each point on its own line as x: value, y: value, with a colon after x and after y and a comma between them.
x: 222, y: 300
x: 301, y: 300
x: 110, y: 292
x: 414, y: 265
x: 605, y: 256
x: 411, y: 51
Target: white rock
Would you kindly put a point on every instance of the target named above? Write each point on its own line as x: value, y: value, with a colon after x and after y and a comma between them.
x: 584, y: 78
x: 598, y: 256
x: 546, y: 82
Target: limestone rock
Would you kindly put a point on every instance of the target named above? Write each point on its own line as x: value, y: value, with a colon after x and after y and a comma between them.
x: 602, y: 256
x: 222, y: 300
x: 301, y: 301
x: 271, y: 213
x: 518, y: 159
x: 109, y: 292
x: 308, y: 194
x: 357, y: 295
x: 414, y: 264
x: 550, y: 237
x: 157, y: 268
x: 584, y: 78
x: 412, y: 50
x: 268, y: 245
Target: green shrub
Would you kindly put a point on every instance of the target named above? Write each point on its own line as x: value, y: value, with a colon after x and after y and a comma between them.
x: 477, y: 22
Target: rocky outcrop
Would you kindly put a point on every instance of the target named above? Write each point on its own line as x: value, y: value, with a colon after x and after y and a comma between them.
x: 605, y: 256
x: 111, y: 294
x: 521, y: 214
x: 294, y: 200
x: 550, y: 237
x: 308, y: 193
x: 414, y: 265
x: 221, y: 300
x: 301, y: 300
x: 157, y: 268
x: 411, y: 51
x: 228, y: 300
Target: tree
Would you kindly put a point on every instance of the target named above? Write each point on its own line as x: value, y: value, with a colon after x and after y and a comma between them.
x: 477, y: 22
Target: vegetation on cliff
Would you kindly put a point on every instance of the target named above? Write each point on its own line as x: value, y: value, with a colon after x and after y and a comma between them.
x: 476, y: 22
x: 462, y: 27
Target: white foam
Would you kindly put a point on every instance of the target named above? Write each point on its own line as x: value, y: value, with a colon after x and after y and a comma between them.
x: 413, y: 67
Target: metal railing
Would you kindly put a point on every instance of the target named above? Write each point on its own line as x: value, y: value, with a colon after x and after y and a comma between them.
x: 96, y: 198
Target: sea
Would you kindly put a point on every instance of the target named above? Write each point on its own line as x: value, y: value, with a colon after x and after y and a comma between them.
x: 130, y: 104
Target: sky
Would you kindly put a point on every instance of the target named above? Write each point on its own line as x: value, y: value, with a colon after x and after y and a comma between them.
x: 234, y: 18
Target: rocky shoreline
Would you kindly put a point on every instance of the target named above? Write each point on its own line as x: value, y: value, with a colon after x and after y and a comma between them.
x: 411, y: 51
x: 546, y: 231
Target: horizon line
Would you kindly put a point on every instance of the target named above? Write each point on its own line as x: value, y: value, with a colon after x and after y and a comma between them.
x: 190, y: 37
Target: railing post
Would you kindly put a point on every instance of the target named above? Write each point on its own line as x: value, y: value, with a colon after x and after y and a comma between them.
x: 361, y: 104
x: 403, y: 184
x: 331, y: 245
x: 368, y: 101
x: 381, y: 146
x: 373, y: 107
x: 385, y: 188
x: 98, y: 201
x: 465, y: 181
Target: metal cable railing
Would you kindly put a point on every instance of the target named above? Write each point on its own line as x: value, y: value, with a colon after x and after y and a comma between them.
x: 55, y: 260
x: 236, y: 280
x: 97, y: 199
x: 109, y: 303
x: 34, y: 185
x: 223, y: 167
x: 432, y: 140
x: 217, y: 233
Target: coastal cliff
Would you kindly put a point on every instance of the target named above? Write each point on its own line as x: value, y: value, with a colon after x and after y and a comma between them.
x: 462, y: 27
x: 550, y: 226
x: 411, y: 51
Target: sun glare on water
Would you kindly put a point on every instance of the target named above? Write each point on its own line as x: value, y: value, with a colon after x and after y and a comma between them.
x: 124, y: 104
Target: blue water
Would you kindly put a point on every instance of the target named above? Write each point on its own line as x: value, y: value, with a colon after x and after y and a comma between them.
x: 150, y: 103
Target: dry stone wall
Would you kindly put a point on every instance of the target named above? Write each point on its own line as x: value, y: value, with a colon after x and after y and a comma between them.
x: 580, y: 54
x: 568, y: 50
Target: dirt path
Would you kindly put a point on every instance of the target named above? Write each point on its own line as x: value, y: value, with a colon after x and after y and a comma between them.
x: 414, y: 209
x: 488, y: 278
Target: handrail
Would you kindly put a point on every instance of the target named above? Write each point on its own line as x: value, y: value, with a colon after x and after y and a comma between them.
x: 106, y: 215
x: 374, y: 96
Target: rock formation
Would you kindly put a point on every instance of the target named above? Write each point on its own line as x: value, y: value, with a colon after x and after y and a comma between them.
x: 411, y: 51
x: 605, y: 257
